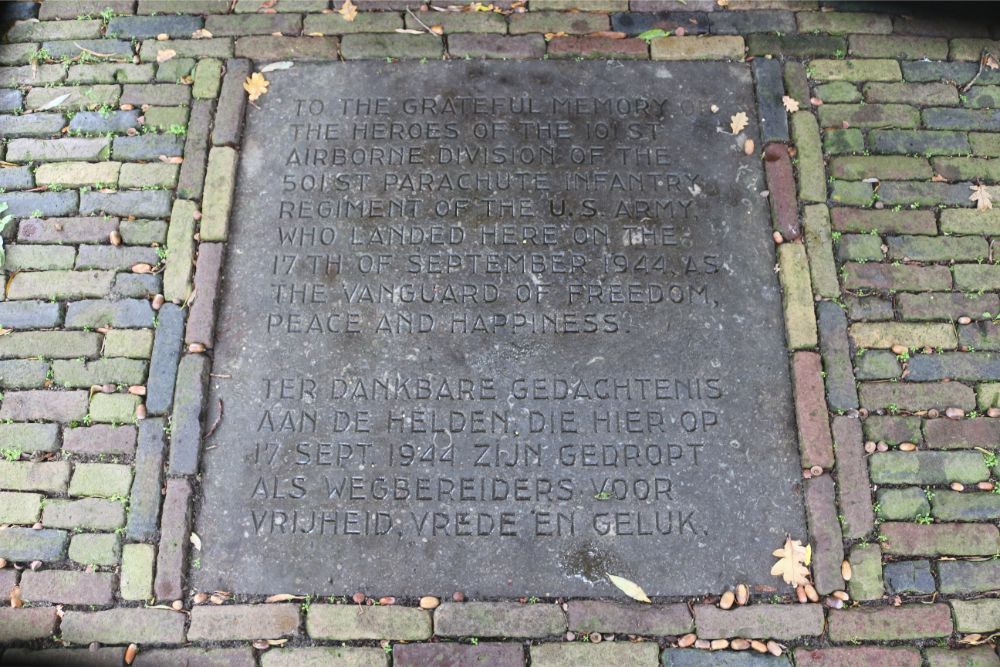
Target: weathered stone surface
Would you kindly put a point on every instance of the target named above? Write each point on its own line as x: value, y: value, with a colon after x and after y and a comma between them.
x: 232, y: 100
x: 866, y: 578
x: 27, y: 544
x: 923, y: 467
x: 912, y: 539
x: 347, y: 622
x: 961, y: 576
x: 800, y: 318
x: 218, y: 198
x: 174, y: 537
x: 123, y: 626
x: 498, y: 619
x: 858, y: 657
x: 144, y: 503
x: 890, y: 623
x: 811, y: 412
x: 58, y: 406
x: 244, y: 622
x: 781, y: 622
x: 21, y: 625
x: 976, y: 615
x: 824, y: 529
x: 977, y: 656
x: 165, y: 356
x: 88, y: 513
x: 199, y: 657
x: 632, y: 619
x: 138, y: 203
x: 567, y: 654
x: 67, y: 587
x: 455, y: 655
x: 853, y: 490
x: 910, y: 576
x: 180, y: 246
x: 841, y: 393
x: 189, y: 406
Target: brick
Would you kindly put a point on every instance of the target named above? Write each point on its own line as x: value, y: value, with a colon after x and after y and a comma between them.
x: 366, y: 22
x: 810, y: 411
x: 895, y: 623
x: 22, y: 625
x: 857, y: 657
x: 938, y: 26
x: 100, y: 549
x: 905, y: 193
x: 982, y: 97
x: 525, y: 47
x: 812, y: 179
x: 206, y: 284
x: 100, y: 440
x: 911, y: 539
x: 852, y: 193
x: 698, y: 48
x: 498, y: 619
x: 137, y: 571
x: 909, y: 576
x: 17, y: 54
x: 886, y: 335
x: 955, y: 506
x: 586, y: 5
x: 244, y: 622
x: 855, y: 70
x: 835, y: 92
x: 165, y: 356
x: 453, y: 655
x: 49, y: 344
x: 107, y: 73
x: 252, y: 24
x: 819, y: 247
x: 770, y: 89
x: 824, y: 529
x: 148, y: 175
x: 269, y: 48
x: 322, y: 656
x: 966, y: 48
x: 27, y: 544
x: 902, y: 504
x: 35, y: 31
x: 8, y: 580
x: 844, y: 22
x: 180, y: 245
x: 144, y: 502
x: 232, y: 99
x: 220, y: 47
x: 140, y: 203
x: 781, y: 185
x: 574, y: 46
x: 976, y: 615
x: 987, y: 395
x: 104, y: 480
x: 174, y: 535
x: 985, y: 143
x: 348, y: 622
x: 198, y: 657
x: 56, y: 150
x: 147, y: 147
x: 66, y: 230
x: 114, y: 408
x: 122, y: 626
x: 613, y: 617
x: 635, y: 23
x: 20, y: 507
x: 763, y: 20
x: 67, y: 587
x: 961, y: 576
x: 923, y: 142
x: 72, y: 9
x: 796, y: 81
x: 23, y: 374
x: 759, y: 621
x: 795, y: 45
x: 899, y: 47
x: 567, y: 654
x: 943, y: 118
x: 903, y: 277
x: 144, y: 232
x: 144, y: 27
x: 970, y: 221
x: 967, y: 169
x: 16, y: 178
x: 391, y: 45
x: 89, y: 513
x: 30, y: 437
x: 924, y: 467
x: 75, y: 48
x: 189, y: 393
x: 66, y: 657
x: 131, y: 343
x: 28, y: 315
x: 577, y: 23
x: 39, y: 258
x: 884, y: 221
x: 800, y: 319
x: 123, y: 313
x: 946, y: 306
x: 841, y: 393
x: 31, y: 405
x: 853, y: 492
x: 866, y: 579
x: 80, y: 98
x: 869, y: 115
x: 974, y: 277
x: 218, y: 199
x: 972, y: 366
x: 979, y: 656
x: 857, y: 168
x: 81, y: 373
x: 917, y: 396
x: 31, y: 125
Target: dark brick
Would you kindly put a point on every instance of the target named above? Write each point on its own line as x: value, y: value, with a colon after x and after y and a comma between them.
x: 27, y: 204
x: 939, y: 26
x: 893, y: 430
x: 956, y: 506
x: 11, y: 100
x: 890, y: 623
x: 268, y: 48
x: 781, y: 185
x: 598, y: 47
x: 122, y: 314
x: 65, y: 657
x: 21, y: 625
x: 884, y: 221
x: 192, y: 173
x: 29, y: 314
x: 27, y: 544
x: 244, y: 621
x: 824, y: 529
x: 67, y: 587
x: 964, y: 576
x: 841, y: 393
x: 898, y: 46
x: 908, y: 576
x: 174, y: 534
x: 139, y: 203
x: 962, y: 119
x: 253, y: 24
x: 947, y: 306
x: 121, y: 626
x: 232, y: 99
x: 144, y: 503
x: 201, y: 321
x: 922, y: 142
x: 740, y: 23
x: 980, y: 335
x: 66, y: 230
x: 781, y: 622
x: 196, y: 657
x: 474, y: 45
x: 857, y: 657
x: 913, y: 539
x: 147, y: 146
x: 795, y: 45
x: 635, y: 23
x: 457, y: 655
x: 100, y: 439
x: 770, y: 89
x: 143, y: 27
x: 185, y: 438
x: 32, y: 125
x: 93, y: 122
x: 163, y: 364
x: 890, y: 277
x: 972, y: 366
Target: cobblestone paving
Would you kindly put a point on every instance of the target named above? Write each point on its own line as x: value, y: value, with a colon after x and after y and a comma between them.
x: 118, y: 169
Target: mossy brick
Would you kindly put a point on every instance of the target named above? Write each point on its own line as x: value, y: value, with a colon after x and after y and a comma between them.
x: 143, y: 232
x: 851, y: 193
x: 910, y: 278
x: 938, y: 249
x: 946, y: 118
x: 138, y: 203
x: 795, y: 44
x: 569, y: 654
x: 859, y: 248
x: 915, y: 194
x: 76, y: 98
x: 916, y: 396
x: 977, y: 656
x: 856, y: 168
x: 20, y: 507
x: 364, y: 22
x: 17, y: 54
x: 453, y: 653
x: 77, y: 174
x: 28, y: 544
x: 988, y: 395
x: 136, y: 579
x: 269, y: 48
x: 922, y: 142
x: 23, y: 373
x: 286, y: 6
x: 479, y: 45
x: 986, y: 144
x: 144, y: 27
x: 207, y: 79
x: 151, y: 175
x: 927, y: 467
x: 58, y: 150
x: 29, y: 314
x: 49, y: 344
x: 796, y: 82
x: 175, y: 69
x: 893, y: 430
x: 94, y: 122
x: 166, y: 118
x: 866, y: 581
x: 39, y: 258
x: 966, y: 48
x: 800, y: 318
x: 877, y: 365
x: 110, y: 50
x: 180, y: 246
x: 812, y: 179
x: 840, y: 385
x: 781, y: 622
x: 67, y: 586
x: 721, y: 47
x: 970, y: 221
x: 156, y: 94
x: 340, y: 622
x: 84, y: 514
x: 868, y: 308
x: 825, y: 533
x: 129, y: 343
x: 855, y: 70
x: 123, y: 626
x: 95, y: 549
x: 763, y: 20
x: 47, y: 477
x: 946, y: 306
x: 192, y: 173
x: 869, y: 115
x: 118, y: 313
x: 456, y: 22
x: 236, y: 25
x: 839, y: 142
x: 930, y: 70
x: 982, y: 97
x: 907, y: 622
x: 819, y: 247
x: 103, y: 480
x: 120, y: 258
x: 975, y: 277
x: 319, y: 656
x: 902, y: 504
x: 100, y: 440
x: 29, y: 437
x: 961, y: 577
x: 980, y: 335
x: 189, y: 394
x: 977, y: 615
x: 597, y: 46
x: 26, y: 624
x: 585, y: 5
x: 962, y: 433
x: 114, y: 408
x: 955, y: 506
x: 217, y: 47
x: 391, y: 45
x: 499, y: 619
x: 844, y: 22
x: 39, y: 405
x: 967, y: 168
x: 577, y: 23
x: 898, y: 47
x: 32, y: 125
x: 838, y: 92
x: 73, y: 9
x: 220, y: 179
x: 38, y: 31
x: 604, y: 616
x: 114, y: 370
x: 243, y: 621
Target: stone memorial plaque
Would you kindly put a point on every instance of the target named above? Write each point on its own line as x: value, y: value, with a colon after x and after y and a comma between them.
x: 499, y: 328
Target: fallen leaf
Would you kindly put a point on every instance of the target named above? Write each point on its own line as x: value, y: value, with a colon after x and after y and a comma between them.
x: 195, y: 541
x: 410, y: 31
x: 54, y: 102
x: 437, y: 29
x: 983, y: 199
x: 748, y: 147
x: 480, y: 7
x: 938, y: 178
x: 991, y: 61
x: 714, y: 108
x: 201, y: 33
x: 629, y: 588
x: 792, y: 560
x: 164, y: 55
x: 348, y: 10
x: 274, y: 67
x: 549, y: 36
x: 255, y: 85
x: 653, y: 34
x: 277, y: 642
x: 738, y: 122
x: 15, y: 598
x: 284, y: 597
x: 791, y: 104
x: 608, y: 34
x: 171, y: 160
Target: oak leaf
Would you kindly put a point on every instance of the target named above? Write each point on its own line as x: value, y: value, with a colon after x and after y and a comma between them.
x: 791, y: 104
x: 982, y: 197
x: 792, y: 561
x: 738, y: 122
x: 256, y: 85
x: 348, y: 10
x: 163, y: 55
x: 629, y: 588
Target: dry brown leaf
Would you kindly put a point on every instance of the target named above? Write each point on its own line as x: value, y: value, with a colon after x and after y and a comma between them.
x: 255, y: 85
x: 437, y: 29
x: 629, y: 588
x: 201, y: 33
x: 549, y: 36
x: 938, y: 178
x: 608, y: 34
x: 283, y: 597
x: 348, y: 10
x: 748, y: 147
x: 164, y: 55
x: 983, y: 199
x: 15, y: 598
x: 195, y: 541
x: 738, y: 122
x: 991, y: 61
x: 791, y: 104
x: 792, y: 561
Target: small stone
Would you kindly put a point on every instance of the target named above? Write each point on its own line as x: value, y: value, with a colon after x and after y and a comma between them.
x: 954, y: 413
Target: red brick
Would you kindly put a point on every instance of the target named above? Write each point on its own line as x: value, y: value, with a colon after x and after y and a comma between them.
x: 68, y: 587
x: 902, y: 277
x: 517, y: 47
x: 244, y: 621
x: 631, y: 619
x: 810, y: 411
x: 853, y: 489
x: 18, y: 625
x: 174, y: 536
x: 886, y: 221
x: 858, y: 657
x: 201, y: 320
x: 890, y: 623
x: 457, y: 655
x: 961, y: 433
x: 598, y: 47
x: 759, y: 621
x: 781, y: 186
x: 824, y: 528
x: 946, y: 539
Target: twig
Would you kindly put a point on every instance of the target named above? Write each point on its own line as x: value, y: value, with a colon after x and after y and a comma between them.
x: 218, y: 418
x: 94, y: 53
x: 982, y: 65
x: 422, y: 24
